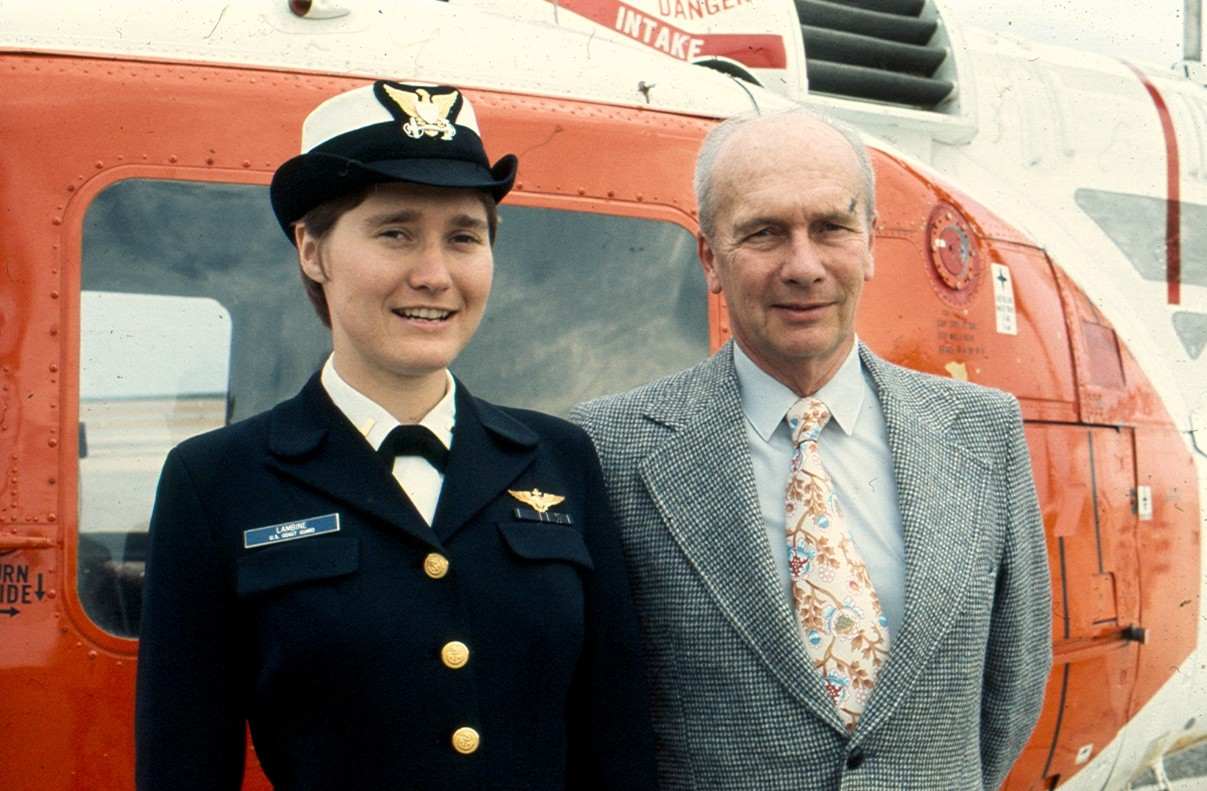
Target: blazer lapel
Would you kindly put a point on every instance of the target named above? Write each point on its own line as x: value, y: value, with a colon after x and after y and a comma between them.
x: 941, y: 487
x: 312, y: 442
x: 490, y: 450
x: 701, y: 480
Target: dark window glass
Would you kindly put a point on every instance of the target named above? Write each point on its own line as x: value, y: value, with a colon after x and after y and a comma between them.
x: 583, y: 305
x: 1136, y: 224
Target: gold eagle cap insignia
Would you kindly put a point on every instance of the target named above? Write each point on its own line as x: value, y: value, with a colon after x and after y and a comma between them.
x: 540, y: 501
x: 426, y: 114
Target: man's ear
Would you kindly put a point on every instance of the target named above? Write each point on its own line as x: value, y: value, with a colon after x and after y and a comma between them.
x: 708, y: 261
x: 871, y: 269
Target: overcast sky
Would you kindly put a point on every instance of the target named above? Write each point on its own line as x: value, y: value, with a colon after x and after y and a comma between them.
x: 1148, y: 31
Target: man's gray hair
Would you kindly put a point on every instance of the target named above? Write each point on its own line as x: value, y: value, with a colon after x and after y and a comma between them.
x: 706, y: 201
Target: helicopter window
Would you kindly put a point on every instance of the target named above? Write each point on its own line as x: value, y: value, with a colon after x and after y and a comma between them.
x: 192, y: 316
x: 153, y: 371
x: 583, y: 305
x: 1136, y: 224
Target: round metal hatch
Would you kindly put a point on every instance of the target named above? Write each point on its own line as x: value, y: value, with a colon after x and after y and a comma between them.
x: 957, y: 260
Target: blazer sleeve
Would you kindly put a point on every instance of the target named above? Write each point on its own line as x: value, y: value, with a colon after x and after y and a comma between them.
x: 1019, y: 652
x: 610, y: 733
x: 189, y: 706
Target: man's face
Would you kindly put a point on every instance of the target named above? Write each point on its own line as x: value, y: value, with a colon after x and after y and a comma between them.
x: 406, y: 276
x: 792, y: 246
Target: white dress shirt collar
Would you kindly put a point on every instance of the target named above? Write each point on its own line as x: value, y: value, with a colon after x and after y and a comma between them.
x: 765, y: 400
x: 372, y: 419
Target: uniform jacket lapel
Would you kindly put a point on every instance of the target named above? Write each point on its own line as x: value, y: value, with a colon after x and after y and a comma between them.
x: 312, y: 442
x: 701, y: 480
x: 941, y: 486
x: 490, y: 451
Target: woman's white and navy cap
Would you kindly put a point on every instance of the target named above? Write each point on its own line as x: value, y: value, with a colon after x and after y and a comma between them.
x: 387, y: 131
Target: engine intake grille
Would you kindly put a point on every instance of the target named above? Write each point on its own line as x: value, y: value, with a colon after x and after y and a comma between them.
x: 889, y: 51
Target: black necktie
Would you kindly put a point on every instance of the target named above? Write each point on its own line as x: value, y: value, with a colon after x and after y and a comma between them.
x: 413, y: 441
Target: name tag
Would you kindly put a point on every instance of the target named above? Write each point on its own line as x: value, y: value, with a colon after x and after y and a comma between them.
x: 549, y: 517
x: 288, y: 531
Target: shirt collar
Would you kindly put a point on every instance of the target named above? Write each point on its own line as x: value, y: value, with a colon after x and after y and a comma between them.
x: 374, y: 422
x: 765, y: 400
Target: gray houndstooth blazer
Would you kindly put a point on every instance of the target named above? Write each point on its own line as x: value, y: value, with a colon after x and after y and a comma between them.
x: 736, y: 704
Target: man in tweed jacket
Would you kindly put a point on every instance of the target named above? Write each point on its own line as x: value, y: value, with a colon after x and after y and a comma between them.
x: 955, y: 541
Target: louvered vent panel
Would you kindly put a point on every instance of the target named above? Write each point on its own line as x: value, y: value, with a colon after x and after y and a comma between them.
x: 881, y: 50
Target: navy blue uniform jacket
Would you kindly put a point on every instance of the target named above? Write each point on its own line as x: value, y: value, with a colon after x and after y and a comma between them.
x: 330, y: 645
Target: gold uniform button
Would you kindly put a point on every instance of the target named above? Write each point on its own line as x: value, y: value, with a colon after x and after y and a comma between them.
x: 435, y: 565
x: 465, y: 740
x: 454, y: 655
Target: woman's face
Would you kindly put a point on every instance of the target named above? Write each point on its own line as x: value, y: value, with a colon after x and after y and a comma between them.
x: 406, y: 275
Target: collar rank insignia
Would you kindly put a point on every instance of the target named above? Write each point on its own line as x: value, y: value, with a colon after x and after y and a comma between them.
x: 426, y: 114
x: 539, y: 501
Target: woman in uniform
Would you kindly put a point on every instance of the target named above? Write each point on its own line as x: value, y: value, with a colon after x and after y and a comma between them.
x: 393, y: 583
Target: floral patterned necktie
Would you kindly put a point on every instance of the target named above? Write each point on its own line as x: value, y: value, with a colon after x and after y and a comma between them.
x: 844, y: 626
